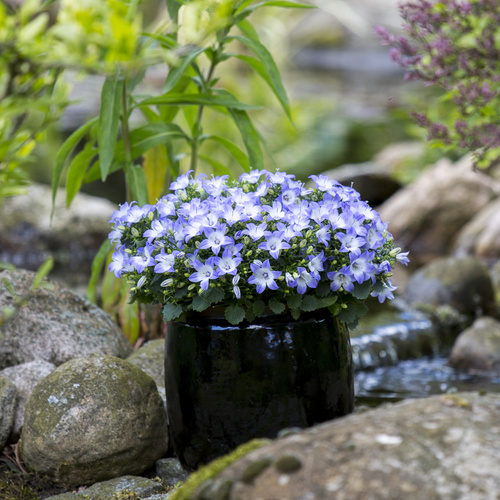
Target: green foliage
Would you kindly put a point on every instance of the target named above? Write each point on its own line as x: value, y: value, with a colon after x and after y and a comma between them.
x: 32, y: 95
x: 194, y: 41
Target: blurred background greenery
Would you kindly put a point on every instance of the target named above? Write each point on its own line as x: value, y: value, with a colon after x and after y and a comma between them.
x: 348, y: 101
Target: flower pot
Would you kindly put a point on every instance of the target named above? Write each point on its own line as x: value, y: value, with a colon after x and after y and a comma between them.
x: 226, y: 384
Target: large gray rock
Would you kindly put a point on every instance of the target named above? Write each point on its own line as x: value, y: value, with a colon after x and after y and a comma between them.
x: 462, y: 283
x: 426, y: 216
x: 94, y: 419
x: 54, y: 325
x: 441, y: 448
x: 478, y: 348
x: 8, y: 395
x: 25, y: 377
x: 481, y: 235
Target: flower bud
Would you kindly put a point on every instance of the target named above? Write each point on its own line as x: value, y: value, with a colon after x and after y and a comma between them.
x: 395, y: 251
x: 135, y: 232
x: 302, y: 243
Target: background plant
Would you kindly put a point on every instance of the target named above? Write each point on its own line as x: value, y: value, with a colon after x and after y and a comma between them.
x: 455, y: 45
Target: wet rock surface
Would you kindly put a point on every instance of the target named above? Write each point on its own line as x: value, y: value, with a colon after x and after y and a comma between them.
x: 477, y: 348
x: 439, y: 448
x: 54, y: 325
x: 460, y: 283
x: 93, y: 419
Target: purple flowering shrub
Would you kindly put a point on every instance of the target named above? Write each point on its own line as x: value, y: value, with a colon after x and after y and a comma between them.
x: 264, y: 241
x: 455, y: 44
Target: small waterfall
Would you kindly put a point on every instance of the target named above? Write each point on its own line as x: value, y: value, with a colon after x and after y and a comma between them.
x: 410, y: 337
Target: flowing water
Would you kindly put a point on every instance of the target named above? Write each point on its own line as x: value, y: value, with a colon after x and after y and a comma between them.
x: 400, y: 355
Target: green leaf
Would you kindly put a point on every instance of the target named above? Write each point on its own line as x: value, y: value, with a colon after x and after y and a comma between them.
x: 9, y: 286
x: 41, y: 273
x: 200, y: 303
x: 63, y: 154
x: 171, y: 311
x: 176, y: 73
x: 76, y: 172
x: 218, y: 167
x: 235, y: 314
x: 294, y: 301
x: 227, y: 101
x: 109, y: 118
x: 266, y: 68
x: 97, y: 265
x: 309, y: 303
x: 173, y: 7
x: 248, y: 30
x: 214, y: 295
x: 276, y: 307
x: 258, y: 308
x: 285, y: 4
x: 249, y: 315
x: 361, y: 291
x: 128, y: 314
x: 242, y: 14
x: 327, y: 301
x: 235, y: 151
x: 250, y: 138
x: 352, y: 313
x: 136, y: 180
x: 155, y: 166
x: 295, y: 313
x: 142, y: 139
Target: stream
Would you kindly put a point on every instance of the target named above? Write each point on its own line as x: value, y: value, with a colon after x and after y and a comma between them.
x: 399, y: 355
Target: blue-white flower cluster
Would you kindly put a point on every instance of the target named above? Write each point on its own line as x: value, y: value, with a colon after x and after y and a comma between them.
x: 263, y: 241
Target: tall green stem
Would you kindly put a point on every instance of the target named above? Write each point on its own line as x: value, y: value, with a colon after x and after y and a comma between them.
x: 127, y: 148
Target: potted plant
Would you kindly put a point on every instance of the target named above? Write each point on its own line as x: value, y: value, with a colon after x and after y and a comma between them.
x: 258, y: 278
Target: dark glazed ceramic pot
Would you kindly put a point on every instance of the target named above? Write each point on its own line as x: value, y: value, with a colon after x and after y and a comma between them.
x: 228, y: 384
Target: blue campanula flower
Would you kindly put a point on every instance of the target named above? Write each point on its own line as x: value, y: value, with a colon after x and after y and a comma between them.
x: 255, y: 232
x: 158, y: 228
x: 275, y: 211
x: 120, y: 262
x: 315, y: 264
x: 216, y: 238
x: 143, y: 258
x: 280, y: 177
x: 263, y: 276
x: 204, y: 272
x: 228, y: 263
x: 252, y: 177
x: 323, y: 234
x: 182, y: 182
x: 165, y: 261
x: 215, y: 186
x: 384, y: 293
x: 304, y: 280
x: 274, y: 243
x: 323, y: 183
x: 342, y: 279
x: 350, y: 241
x: 361, y: 267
